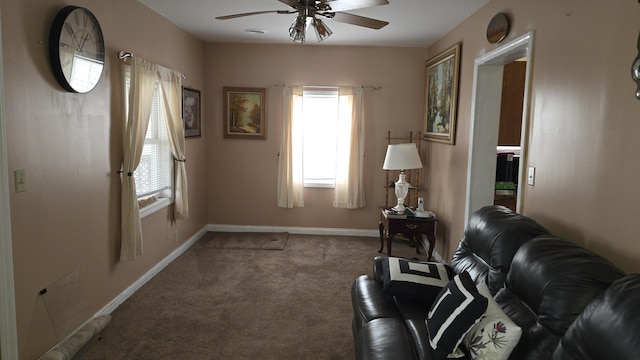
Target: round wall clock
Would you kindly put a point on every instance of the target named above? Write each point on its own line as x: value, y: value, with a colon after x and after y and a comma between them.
x: 76, y: 49
x: 498, y: 28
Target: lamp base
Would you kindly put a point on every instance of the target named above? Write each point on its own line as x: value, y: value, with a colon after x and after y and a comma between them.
x: 399, y: 209
x: 402, y: 188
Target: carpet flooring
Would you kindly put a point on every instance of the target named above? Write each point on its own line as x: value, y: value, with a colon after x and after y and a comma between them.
x: 214, y: 303
x: 245, y: 240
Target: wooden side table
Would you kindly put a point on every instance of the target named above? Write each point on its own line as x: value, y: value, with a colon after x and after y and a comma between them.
x: 412, y: 227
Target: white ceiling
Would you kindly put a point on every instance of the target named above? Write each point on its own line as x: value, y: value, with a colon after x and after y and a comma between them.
x: 412, y: 23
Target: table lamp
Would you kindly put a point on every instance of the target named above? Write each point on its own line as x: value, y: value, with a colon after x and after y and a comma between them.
x: 402, y: 157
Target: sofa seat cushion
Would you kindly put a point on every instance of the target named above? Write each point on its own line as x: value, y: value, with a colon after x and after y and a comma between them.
x: 414, y: 315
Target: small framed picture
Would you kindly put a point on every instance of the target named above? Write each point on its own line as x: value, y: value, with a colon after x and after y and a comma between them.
x: 441, y: 96
x: 191, y: 112
x: 245, y: 113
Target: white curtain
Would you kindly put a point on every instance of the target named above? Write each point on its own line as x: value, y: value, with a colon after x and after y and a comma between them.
x: 290, y: 170
x: 349, y: 191
x: 171, y: 89
x: 135, y: 129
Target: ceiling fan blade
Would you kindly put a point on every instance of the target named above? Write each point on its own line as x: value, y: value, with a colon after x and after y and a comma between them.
x: 358, y: 20
x: 344, y: 5
x: 226, y: 17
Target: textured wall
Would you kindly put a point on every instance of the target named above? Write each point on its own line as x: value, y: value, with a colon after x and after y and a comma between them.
x: 250, y: 166
x: 70, y: 147
x: 583, y: 123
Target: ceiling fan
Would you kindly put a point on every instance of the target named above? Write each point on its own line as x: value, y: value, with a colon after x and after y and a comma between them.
x: 330, y: 9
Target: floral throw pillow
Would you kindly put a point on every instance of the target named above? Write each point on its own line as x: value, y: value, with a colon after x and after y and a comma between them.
x: 495, y: 336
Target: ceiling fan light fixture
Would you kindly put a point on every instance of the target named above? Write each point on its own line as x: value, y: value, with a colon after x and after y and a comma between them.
x: 297, y: 31
x: 322, y: 30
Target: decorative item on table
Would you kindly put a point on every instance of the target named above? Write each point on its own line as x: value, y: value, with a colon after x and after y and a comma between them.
x: 392, y: 214
x: 402, y: 157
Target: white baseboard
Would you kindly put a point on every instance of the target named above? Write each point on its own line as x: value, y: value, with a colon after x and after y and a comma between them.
x: 107, y: 309
x: 294, y: 230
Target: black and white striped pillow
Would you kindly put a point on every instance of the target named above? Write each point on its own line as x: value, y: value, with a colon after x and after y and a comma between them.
x: 456, y: 309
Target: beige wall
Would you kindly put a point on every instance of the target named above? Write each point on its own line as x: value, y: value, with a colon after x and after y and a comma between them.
x: 584, y: 123
x: 242, y: 174
x: 70, y: 147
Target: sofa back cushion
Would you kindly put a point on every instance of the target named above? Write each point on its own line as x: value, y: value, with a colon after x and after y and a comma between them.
x: 550, y: 282
x: 490, y: 241
x: 608, y: 328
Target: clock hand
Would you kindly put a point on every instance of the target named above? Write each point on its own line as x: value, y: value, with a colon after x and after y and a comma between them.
x: 72, y: 33
x: 84, y: 39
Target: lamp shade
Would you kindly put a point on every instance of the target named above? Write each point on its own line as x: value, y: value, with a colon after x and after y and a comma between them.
x: 402, y: 157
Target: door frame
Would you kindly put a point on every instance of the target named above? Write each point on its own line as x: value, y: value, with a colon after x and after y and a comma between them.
x: 485, y: 105
x: 8, y: 330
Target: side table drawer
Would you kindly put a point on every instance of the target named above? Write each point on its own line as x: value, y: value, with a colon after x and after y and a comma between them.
x: 411, y: 226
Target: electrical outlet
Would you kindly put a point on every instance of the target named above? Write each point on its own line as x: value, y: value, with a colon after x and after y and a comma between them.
x: 20, y: 180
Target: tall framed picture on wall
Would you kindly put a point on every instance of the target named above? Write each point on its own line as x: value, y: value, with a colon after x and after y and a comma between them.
x: 441, y: 96
x: 191, y: 112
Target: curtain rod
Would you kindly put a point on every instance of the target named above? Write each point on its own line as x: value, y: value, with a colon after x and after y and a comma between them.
x: 372, y: 87
x: 123, y: 55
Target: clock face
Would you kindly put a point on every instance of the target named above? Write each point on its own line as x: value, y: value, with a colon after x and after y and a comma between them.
x: 76, y: 49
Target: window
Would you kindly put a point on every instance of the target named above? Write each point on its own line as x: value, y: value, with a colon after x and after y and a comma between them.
x: 322, y: 145
x: 320, y: 114
x: 154, y: 173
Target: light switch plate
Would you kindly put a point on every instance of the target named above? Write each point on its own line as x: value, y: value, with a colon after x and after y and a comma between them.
x: 531, y: 175
x: 20, y: 180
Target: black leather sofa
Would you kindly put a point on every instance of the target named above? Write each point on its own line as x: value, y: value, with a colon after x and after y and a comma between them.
x: 569, y: 302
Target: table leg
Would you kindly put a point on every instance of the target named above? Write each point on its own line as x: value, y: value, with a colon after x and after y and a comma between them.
x: 432, y: 244
x: 418, y: 240
x: 381, y: 227
x: 389, y: 240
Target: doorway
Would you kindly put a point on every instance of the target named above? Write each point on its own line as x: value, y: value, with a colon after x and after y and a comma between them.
x: 485, y: 122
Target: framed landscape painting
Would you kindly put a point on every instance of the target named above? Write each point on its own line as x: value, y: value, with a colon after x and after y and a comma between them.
x: 245, y: 113
x: 441, y: 96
